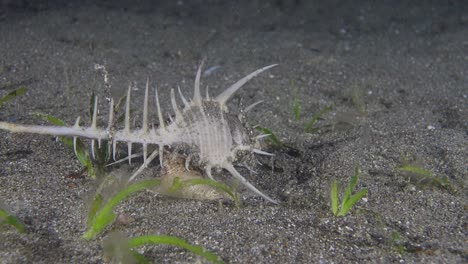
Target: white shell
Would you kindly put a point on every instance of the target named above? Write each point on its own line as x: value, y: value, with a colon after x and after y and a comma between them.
x: 204, y: 128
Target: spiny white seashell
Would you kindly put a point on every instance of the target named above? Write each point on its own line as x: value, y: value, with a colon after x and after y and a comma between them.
x: 203, y: 128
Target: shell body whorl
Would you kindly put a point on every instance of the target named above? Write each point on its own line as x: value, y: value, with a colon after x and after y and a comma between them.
x: 212, y: 133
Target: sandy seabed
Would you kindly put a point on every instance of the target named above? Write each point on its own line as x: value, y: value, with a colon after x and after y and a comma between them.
x: 395, y: 72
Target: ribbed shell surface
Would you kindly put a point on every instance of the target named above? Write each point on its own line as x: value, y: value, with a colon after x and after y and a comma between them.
x: 206, y: 129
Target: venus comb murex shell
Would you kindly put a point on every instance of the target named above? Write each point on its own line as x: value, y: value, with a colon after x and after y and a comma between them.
x: 204, y: 126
